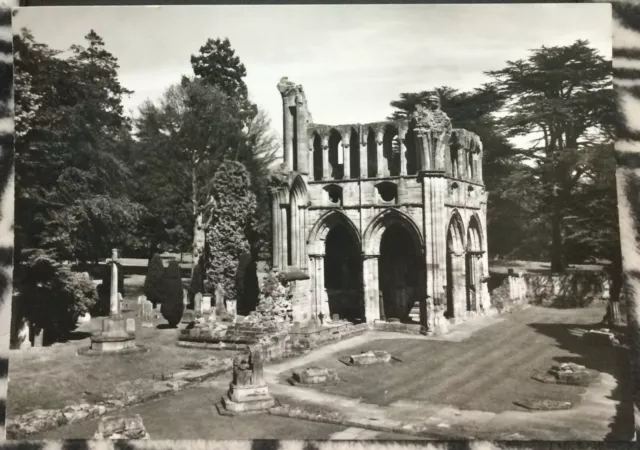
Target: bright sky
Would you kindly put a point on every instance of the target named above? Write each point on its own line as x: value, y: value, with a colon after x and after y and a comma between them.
x: 351, y: 59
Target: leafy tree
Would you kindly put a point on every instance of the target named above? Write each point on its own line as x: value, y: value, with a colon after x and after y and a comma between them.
x: 182, y: 141
x: 153, y: 281
x: 172, y: 302
x: 226, y: 238
x: 72, y: 185
x: 563, y: 95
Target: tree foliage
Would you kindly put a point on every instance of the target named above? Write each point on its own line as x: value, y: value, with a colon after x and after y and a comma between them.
x: 563, y: 95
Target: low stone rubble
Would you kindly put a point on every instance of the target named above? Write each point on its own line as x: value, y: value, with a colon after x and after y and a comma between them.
x: 315, y: 375
x: 370, y: 357
x: 111, y: 427
x: 568, y: 373
x: 125, y: 394
x: 544, y: 404
x: 600, y: 337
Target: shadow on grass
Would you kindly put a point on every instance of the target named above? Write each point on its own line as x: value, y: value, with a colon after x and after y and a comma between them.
x: 610, y: 360
x: 166, y: 326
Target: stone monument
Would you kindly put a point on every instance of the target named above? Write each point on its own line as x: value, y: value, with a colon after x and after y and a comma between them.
x: 219, y: 294
x: 146, y: 312
x: 248, y: 392
x: 116, y: 333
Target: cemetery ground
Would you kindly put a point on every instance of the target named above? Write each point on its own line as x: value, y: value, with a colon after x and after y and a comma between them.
x: 460, y: 385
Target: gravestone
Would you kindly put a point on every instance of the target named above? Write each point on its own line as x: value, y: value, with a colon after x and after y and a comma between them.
x: 146, y: 314
x: 248, y: 393
x: 219, y: 294
x: 197, y: 303
x: 232, y: 309
x: 38, y: 339
x: 206, y: 303
x: 23, y: 340
x: 185, y: 297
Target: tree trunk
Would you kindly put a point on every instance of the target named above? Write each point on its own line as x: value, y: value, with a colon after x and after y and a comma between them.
x: 558, y: 264
x: 197, y: 250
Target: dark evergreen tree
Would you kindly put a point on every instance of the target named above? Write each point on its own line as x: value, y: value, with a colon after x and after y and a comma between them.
x: 172, y: 297
x: 153, y: 283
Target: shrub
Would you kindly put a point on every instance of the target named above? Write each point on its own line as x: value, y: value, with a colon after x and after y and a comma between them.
x: 153, y: 283
x: 172, y: 302
x: 52, y: 297
x: 103, y: 306
x: 225, y: 237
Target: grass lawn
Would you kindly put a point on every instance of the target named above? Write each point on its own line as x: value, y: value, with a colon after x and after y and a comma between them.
x: 489, y: 371
x: 51, y: 377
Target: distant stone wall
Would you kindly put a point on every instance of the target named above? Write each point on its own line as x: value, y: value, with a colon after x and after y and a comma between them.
x: 570, y: 290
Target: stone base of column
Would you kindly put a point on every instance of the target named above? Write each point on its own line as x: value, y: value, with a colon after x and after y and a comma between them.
x: 440, y: 322
x: 117, y: 335
x: 250, y: 399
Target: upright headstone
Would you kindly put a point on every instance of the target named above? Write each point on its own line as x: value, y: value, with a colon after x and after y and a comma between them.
x: 257, y: 364
x: 232, y: 309
x: 114, y: 301
x: 185, y: 297
x: 38, y: 339
x: 220, y: 309
x: 146, y: 314
x: 24, y: 336
x: 197, y: 303
x: 206, y: 303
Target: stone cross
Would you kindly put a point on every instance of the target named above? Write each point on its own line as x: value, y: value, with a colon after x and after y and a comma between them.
x: 113, y: 297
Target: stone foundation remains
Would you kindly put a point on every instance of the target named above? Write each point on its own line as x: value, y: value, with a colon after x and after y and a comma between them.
x: 315, y: 376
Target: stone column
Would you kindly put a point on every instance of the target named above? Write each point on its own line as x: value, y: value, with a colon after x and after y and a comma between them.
x: 295, y: 230
x: 326, y: 168
x: 403, y: 152
x: 364, y: 162
x: 310, y: 165
x: 113, y: 295
x: 346, y: 158
x: 303, y: 238
x: 301, y: 134
x: 434, y: 231
x: 275, y: 250
x: 284, y: 238
x: 287, y: 134
x: 383, y: 168
x: 371, y: 288
x: 320, y: 301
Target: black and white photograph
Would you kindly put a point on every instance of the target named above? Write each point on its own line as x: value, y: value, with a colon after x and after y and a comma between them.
x: 318, y: 222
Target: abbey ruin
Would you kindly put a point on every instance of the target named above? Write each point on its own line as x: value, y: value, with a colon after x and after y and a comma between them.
x: 381, y: 221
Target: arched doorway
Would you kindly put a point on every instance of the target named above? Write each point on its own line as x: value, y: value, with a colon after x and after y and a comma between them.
x: 400, y: 272
x: 455, y: 270
x: 343, y: 274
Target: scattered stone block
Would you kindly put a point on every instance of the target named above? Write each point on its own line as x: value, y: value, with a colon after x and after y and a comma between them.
x: 315, y: 375
x: 544, y: 404
x: 568, y: 373
x: 112, y: 427
x: 370, y: 357
x: 599, y: 337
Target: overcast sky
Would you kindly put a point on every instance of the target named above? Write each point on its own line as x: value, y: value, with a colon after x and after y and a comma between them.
x: 351, y: 59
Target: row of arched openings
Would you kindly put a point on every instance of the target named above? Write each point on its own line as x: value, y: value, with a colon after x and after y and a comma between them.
x: 371, y: 167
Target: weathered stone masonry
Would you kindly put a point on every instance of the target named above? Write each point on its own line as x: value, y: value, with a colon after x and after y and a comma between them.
x: 387, y: 219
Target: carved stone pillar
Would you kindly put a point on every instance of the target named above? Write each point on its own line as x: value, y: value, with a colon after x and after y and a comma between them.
x: 364, y: 162
x: 371, y: 288
x: 295, y: 233
x: 383, y: 166
x: 346, y: 158
x: 284, y: 250
x: 276, y: 243
x: 403, y: 152
x: 320, y: 298
x: 434, y: 231
x: 301, y: 134
x: 310, y: 159
x: 326, y: 168
x: 304, y: 259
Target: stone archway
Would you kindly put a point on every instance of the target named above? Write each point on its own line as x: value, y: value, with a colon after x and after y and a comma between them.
x: 394, y: 269
x: 399, y: 274
x: 343, y: 274
x: 474, y: 264
x: 336, y: 268
x: 455, y: 269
